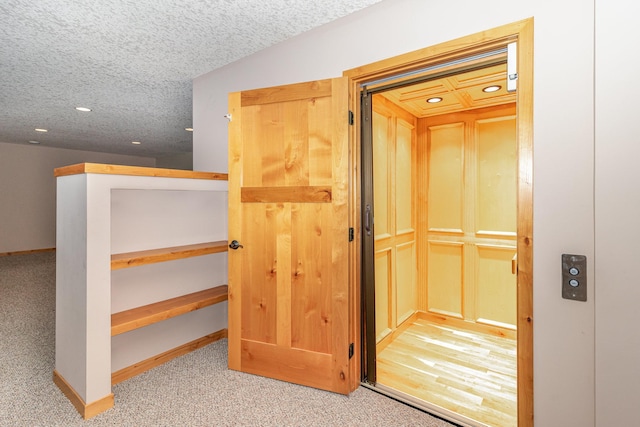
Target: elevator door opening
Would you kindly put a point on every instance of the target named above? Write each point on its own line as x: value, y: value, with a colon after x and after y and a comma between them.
x: 445, y: 236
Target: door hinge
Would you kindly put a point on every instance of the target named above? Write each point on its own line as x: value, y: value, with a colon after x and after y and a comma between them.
x: 351, y: 234
x: 351, y: 117
x: 350, y: 350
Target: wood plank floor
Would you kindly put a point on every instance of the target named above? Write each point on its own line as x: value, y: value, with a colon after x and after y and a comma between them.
x: 470, y: 373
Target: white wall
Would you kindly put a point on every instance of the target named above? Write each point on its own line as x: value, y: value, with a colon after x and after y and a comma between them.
x: 617, y: 192
x: 28, y: 191
x: 564, y: 145
x: 176, y: 161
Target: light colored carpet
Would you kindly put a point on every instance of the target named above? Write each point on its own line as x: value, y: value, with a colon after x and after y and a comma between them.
x: 193, y: 390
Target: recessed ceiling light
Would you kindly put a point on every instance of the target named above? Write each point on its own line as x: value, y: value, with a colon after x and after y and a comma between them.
x: 493, y: 88
x: 136, y: 142
x: 34, y: 142
x: 41, y: 130
x: 189, y: 129
x: 84, y: 109
x: 434, y: 100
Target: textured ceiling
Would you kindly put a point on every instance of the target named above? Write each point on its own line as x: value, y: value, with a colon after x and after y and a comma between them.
x: 131, y: 62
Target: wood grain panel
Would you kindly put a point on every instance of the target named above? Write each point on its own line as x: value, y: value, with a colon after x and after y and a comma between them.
x: 309, y: 194
x: 296, y: 143
x: 382, y: 137
x: 446, y: 176
x: 249, y: 159
x: 406, y: 283
x: 272, y: 144
x: 320, y: 143
x: 404, y: 154
x: 282, y: 239
x: 293, y: 365
x: 310, y: 278
x: 259, y: 303
x: 384, y: 287
x: 445, y: 280
x: 497, y: 176
x: 496, y: 286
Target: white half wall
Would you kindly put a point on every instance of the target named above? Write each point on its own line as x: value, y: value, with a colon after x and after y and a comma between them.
x: 564, y: 144
x: 28, y: 191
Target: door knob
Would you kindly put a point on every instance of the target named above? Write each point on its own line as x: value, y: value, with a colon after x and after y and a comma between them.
x: 235, y: 245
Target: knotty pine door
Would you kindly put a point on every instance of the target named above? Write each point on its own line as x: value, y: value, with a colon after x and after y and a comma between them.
x: 471, y: 218
x: 288, y: 208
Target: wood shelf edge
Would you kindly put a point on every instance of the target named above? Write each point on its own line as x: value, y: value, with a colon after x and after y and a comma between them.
x: 147, y: 364
x: 145, y: 315
x: 86, y: 410
x: 107, y: 169
x: 151, y: 256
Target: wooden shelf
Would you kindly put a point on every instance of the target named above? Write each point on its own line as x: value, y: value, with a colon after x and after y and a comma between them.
x: 138, y: 317
x: 135, y: 259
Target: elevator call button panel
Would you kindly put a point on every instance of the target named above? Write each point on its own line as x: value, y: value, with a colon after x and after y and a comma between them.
x: 574, y: 277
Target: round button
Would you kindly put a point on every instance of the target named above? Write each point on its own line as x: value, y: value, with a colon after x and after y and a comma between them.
x: 574, y: 271
x: 574, y: 282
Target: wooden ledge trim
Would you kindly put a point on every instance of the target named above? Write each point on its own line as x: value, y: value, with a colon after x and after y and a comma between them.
x: 100, y: 168
x: 86, y: 410
x: 29, y: 252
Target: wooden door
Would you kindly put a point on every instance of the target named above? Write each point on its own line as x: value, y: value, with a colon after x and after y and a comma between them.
x: 288, y: 194
x: 472, y: 216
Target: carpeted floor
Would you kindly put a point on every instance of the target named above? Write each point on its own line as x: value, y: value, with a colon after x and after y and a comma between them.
x: 192, y: 390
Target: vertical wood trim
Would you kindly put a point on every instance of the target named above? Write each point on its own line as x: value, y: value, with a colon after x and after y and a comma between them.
x: 470, y: 172
x: 355, y: 253
x: 340, y: 246
x: 414, y: 207
x: 525, y: 224
x: 422, y: 184
x: 283, y: 278
x: 235, y: 232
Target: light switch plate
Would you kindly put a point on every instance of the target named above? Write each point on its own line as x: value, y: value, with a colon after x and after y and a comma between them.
x: 574, y: 277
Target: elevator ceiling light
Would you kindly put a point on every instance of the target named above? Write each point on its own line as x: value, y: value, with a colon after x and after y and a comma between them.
x: 34, y: 142
x: 493, y: 88
x: 136, y: 142
x: 83, y: 109
x: 434, y: 100
x: 41, y: 130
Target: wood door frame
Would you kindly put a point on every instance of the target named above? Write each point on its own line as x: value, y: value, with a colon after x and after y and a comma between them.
x: 522, y: 32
